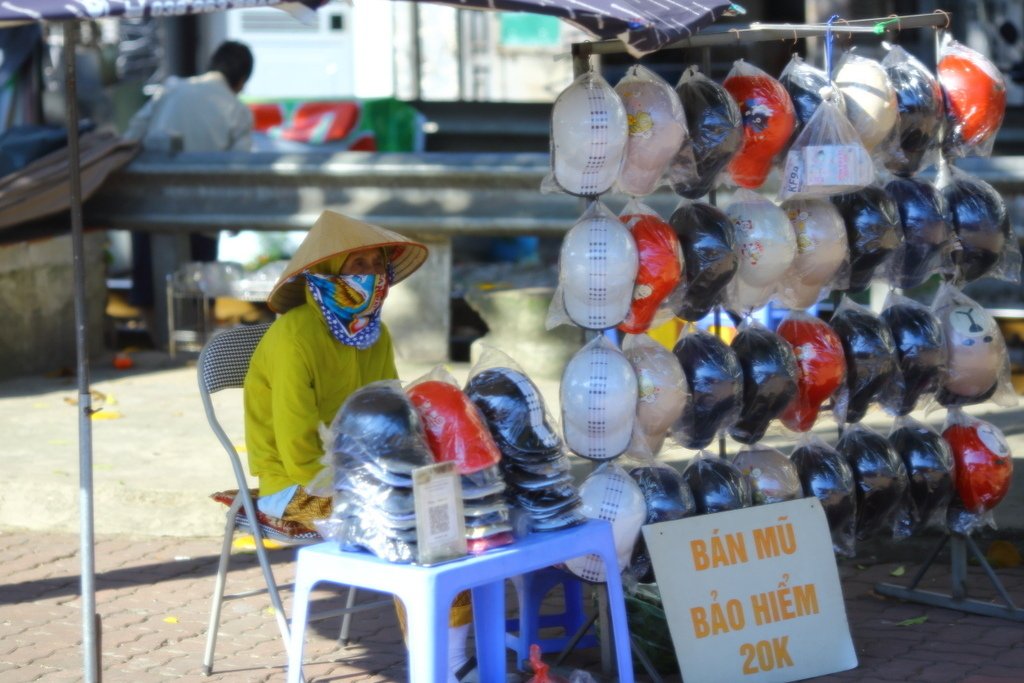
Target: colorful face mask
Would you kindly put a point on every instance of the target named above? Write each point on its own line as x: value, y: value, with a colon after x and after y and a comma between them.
x: 350, y: 305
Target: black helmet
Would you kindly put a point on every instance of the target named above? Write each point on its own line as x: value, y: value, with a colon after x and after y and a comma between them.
x: 880, y: 476
x: 870, y: 355
x: 929, y: 464
x: 922, y: 113
x: 514, y: 410
x: 921, y: 355
x: 825, y: 474
x: 668, y: 498
x: 927, y: 233
x: 717, y: 485
x: 377, y: 424
x: 981, y: 223
x: 716, y: 131
x: 873, y: 231
x: 706, y: 236
x: 715, y: 382
x: 769, y: 380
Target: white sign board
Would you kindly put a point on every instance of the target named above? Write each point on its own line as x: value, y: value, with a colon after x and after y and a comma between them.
x: 753, y: 594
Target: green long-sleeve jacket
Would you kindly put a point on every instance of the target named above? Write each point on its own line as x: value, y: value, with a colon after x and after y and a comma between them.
x: 299, y: 377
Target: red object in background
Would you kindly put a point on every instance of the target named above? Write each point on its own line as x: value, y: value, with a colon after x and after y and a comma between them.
x: 983, y: 464
x: 821, y: 367
x: 122, y: 361
x: 322, y: 121
x: 661, y: 267
x: 975, y: 94
x: 265, y: 116
x: 768, y: 121
x: 455, y: 429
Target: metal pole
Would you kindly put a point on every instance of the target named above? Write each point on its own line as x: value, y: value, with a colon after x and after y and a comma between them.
x: 90, y: 619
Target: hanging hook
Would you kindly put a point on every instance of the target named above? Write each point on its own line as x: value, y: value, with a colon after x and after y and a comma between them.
x: 946, y: 15
x: 828, y: 46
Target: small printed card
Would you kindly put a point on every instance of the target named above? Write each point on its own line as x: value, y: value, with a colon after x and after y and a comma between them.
x: 440, y: 524
x: 832, y: 165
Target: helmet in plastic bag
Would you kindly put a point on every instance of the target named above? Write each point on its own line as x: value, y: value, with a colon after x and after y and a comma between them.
x: 920, y: 355
x: 870, y: 356
x: 929, y: 464
x: 873, y: 231
x: 588, y: 136
x: 768, y: 121
x: 975, y: 95
x: 981, y: 222
x: 764, y: 239
x: 657, y: 128
x: 597, y: 269
x: 454, y: 427
x: 976, y: 352
x: 661, y: 387
x: 983, y: 463
x: 773, y: 477
x: 821, y: 250
x: 377, y: 424
x: 821, y: 364
x: 610, y: 494
x: 927, y: 233
x: 667, y: 498
x: 921, y: 110
x: 715, y: 382
x: 716, y: 131
x: 769, y: 381
x: 514, y: 410
x: 598, y: 397
x: 706, y: 236
x: 659, y: 272
x: 804, y: 83
x: 870, y: 99
x: 880, y: 476
x: 717, y: 485
x: 825, y: 474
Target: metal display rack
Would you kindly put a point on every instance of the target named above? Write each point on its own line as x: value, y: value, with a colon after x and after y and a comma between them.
x: 723, y: 36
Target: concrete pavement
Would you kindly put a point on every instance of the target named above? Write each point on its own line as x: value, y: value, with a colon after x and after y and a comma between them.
x: 155, y: 462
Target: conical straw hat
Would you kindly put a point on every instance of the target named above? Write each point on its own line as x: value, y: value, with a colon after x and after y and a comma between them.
x: 333, y: 235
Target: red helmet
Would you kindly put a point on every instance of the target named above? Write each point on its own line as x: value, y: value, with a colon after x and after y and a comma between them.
x: 661, y: 268
x: 983, y: 464
x: 821, y: 367
x: 455, y: 429
x: 975, y: 94
x: 768, y: 121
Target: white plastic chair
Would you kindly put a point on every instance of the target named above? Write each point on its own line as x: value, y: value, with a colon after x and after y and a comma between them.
x: 223, y: 364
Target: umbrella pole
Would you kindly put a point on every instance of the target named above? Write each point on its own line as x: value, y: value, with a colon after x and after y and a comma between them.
x: 90, y: 619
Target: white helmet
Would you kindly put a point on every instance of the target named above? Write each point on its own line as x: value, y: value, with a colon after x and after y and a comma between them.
x: 821, y: 250
x: 765, y: 242
x: 661, y: 385
x: 871, y: 103
x: 588, y: 136
x: 612, y: 495
x: 657, y: 129
x: 597, y: 269
x: 976, y: 348
x: 598, y: 396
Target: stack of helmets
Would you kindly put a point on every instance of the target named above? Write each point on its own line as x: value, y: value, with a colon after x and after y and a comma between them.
x: 457, y: 432
x: 533, y: 459
x: 378, y: 441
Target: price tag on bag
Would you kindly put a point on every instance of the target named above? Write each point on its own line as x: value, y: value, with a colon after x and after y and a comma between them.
x: 440, y: 523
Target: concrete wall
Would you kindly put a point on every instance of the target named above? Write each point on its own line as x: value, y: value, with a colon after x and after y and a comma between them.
x: 37, y: 331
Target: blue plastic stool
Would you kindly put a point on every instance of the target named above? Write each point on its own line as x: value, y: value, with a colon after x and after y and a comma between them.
x: 531, y: 590
x: 427, y: 593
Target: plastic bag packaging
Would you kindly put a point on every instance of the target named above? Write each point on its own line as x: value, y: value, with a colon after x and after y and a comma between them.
x: 667, y: 498
x: 660, y: 266
x: 353, y: 532
x: 599, y: 401
x: 657, y: 129
x: 873, y: 232
x: 769, y: 380
x: 827, y: 157
x: 716, y: 135
x: 921, y: 355
x: 715, y: 382
x: 927, y: 233
x: 717, y: 484
x: 768, y: 121
x: 881, y: 480
x: 589, y: 132
x: 871, y: 104
x: 805, y: 84
x: 609, y: 493
x: 455, y: 429
x: 988, y: 245
x: 870, y: 358
x: 978, y: 364
x: 821, y: 263
x: 597, y: 269
x: 929, y: 463
x: 821, y: 367
x: 917, y: 137
x: 766, y: 246
x: 826, y: 475
x: 706, y: 236
x: 773, y: 477
x: 661, y: 392
x: 982, y: 461
x: 975, y: 100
